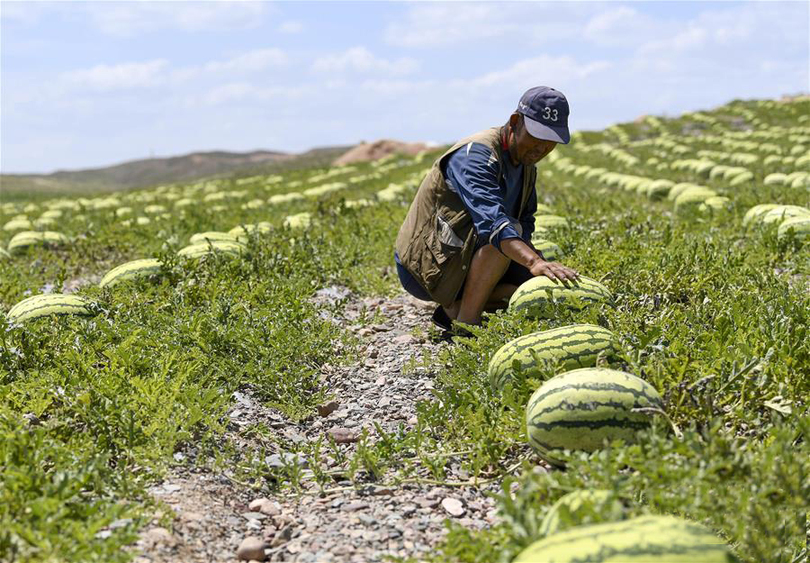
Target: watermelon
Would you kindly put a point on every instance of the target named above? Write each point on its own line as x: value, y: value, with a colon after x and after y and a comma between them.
x: 550, y: 221
x: 677, y: 189
x: 18, y: 225
x: 25, y: 239
x: 776, y: 178
x: 284, y: 198
x: 800, y: 226
x: 3, y: 253
x: 693, y: 196
x: 782, y: 212
x: 212, y: 236
x: 582, y: 507
x: 535, y: 294
x: 550, y: 250
x: 753, y: 214
x: 355, y: 203
x: 243, y: 230
x: 52, y: 304
x: 52, y: 214
x: 298, y: 221
x: 574, y: 346
x: 131, y: 270
x: 659, y: 189
x: 741, y: 178
x: 580, y: 409
x: 645, y: 539
x: 715, y: 203
x: 215, y: 247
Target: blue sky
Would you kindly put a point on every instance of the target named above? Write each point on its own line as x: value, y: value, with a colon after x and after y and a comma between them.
x: 87, y: 84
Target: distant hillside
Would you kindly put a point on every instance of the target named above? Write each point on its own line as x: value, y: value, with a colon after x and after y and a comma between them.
x: 152, y: 171
x: 378, y: 149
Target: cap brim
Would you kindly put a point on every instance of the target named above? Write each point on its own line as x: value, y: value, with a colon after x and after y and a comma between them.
x: 546, y: 133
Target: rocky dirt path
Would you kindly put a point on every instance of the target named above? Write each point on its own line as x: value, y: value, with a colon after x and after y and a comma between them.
x: 216, y: 520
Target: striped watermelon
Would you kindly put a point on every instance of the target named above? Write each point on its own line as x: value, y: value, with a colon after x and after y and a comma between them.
x: 693, y: 196
x: 582, y: 507
x: 678, y: 189
x: 21, y: 224
x: 44, y: 222
x: 715, y: 203
x: 131, y: 270
x: 550, y: 250
x: 298, y: 221
x: 25, y: 239
x: 244, y: 230
x: 753, y: 214
x: 580, y: 409
x: 782, y: 212
x: 3, y: 253
x: 212, y: 236
x: 574, y: 346
x: 659, y: 189
x: 535, y: 294
x: 799, y: 226
x: 645, y: 539
x: 52, y: 304
x: 215, y: 247
x: 550, y: 221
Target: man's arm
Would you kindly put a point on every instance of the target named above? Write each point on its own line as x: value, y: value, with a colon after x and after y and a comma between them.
x: 472, y: 172
x: 527, y: 256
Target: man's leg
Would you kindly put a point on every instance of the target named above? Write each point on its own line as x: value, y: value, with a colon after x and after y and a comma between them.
x: 482, y: 290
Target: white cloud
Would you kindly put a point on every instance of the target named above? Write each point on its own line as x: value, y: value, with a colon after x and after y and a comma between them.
x: 22, y: 12
x: 622, y: 26
x: 291, y: 27
x: 543, y: 70
x: 455, y: 23
x: 234, y: 92
x: 361, y: 60
x: 736, y: 33
x: 158, y: 72
x: 131, y: 18
x: 117, y: 77
x: 251, y: 61
x: 239, y: 93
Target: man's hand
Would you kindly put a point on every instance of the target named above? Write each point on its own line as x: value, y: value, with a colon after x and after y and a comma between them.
x: 553, y: 270
x: 528, y: 256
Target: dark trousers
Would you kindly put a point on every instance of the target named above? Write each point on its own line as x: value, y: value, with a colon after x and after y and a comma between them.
x: 515, y: 274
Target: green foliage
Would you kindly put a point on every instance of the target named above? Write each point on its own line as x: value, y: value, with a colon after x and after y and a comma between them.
x: 712, y: 314
x: 115, y: 395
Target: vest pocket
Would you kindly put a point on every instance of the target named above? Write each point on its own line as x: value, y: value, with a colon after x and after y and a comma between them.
x: 444, y: 246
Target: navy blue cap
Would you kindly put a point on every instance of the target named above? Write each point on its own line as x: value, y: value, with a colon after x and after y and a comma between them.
x: 545, y: 111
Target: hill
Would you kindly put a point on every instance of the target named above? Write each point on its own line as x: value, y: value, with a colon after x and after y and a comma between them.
x: 150, y: 171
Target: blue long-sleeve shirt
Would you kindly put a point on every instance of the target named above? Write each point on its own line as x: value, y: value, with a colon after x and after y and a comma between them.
x: 472, y: 172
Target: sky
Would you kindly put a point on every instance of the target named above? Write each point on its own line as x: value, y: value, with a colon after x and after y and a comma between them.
x: 91, y: 84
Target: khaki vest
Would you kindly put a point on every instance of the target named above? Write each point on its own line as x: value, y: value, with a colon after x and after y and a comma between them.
x: 436, y: 241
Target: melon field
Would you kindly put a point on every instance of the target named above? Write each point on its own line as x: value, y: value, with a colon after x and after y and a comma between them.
x: 259, y: 380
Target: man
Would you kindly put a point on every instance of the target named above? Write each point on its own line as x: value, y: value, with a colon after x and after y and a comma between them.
x: 466, y: 241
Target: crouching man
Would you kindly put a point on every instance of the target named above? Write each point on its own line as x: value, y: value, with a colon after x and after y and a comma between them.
x: 466, y: 241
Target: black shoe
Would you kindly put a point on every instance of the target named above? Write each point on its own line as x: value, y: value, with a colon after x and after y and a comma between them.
x: 441, y: 319
x: 453, y: 335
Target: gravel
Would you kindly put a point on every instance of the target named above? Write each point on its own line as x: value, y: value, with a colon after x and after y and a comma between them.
x: 215, y: 519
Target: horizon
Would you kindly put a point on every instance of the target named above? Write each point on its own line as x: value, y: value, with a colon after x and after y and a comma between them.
x: 97, y: 85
